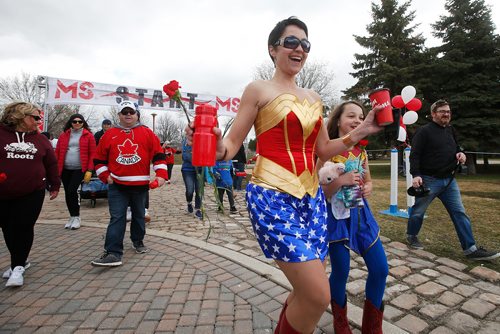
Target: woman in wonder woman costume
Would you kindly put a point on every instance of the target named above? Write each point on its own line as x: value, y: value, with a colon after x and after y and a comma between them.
x: 353, y: 227
x: 284, y: 200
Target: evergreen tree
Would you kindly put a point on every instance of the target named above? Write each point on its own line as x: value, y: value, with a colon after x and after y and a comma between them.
x: 395, y: 53
x: 467, y: 73
x: 396, y: 58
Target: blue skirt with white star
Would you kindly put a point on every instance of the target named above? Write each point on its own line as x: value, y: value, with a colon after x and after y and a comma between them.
x: 287, y: 228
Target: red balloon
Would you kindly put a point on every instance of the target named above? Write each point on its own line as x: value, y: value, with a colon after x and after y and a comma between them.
x: 397, y: 102
x: 414, y: 104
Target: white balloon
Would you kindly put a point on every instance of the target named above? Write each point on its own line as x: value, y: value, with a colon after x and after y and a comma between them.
x: 402, y: 134
x: 408, y: 93
x: 410, y: 117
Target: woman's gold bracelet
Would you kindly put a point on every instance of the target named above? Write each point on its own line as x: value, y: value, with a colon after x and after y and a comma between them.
x: 347, y: 140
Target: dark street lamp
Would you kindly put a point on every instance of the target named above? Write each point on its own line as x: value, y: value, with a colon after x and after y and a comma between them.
x: 154, y: 116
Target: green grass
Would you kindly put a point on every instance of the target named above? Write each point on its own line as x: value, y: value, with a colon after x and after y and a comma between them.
x: 481, y: 198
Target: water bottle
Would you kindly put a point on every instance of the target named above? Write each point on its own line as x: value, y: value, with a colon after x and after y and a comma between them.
x: 204, y: 140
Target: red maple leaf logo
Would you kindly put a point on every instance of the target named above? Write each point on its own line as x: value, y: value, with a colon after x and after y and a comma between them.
x: 128, y: 148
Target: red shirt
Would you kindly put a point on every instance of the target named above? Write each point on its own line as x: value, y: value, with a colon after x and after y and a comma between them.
x: 126, y: 155
x: 169, y: 153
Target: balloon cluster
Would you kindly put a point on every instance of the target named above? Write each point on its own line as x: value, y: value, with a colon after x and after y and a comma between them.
x: 406, y: 100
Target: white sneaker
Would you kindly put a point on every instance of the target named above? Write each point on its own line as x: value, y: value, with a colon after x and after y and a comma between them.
x: 129, y: 214
x: 70, y: 221
x: 6, y: 274
x: 16, y: 278
x: 76, y: 223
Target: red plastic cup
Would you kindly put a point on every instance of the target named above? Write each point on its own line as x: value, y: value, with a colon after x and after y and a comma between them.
x: 204, y: 140
x: 382, y: 97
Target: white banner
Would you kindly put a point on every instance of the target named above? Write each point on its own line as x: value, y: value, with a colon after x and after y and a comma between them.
x: 67, y: 91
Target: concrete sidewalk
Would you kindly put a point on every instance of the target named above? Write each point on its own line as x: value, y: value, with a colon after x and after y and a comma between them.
x: 211, y: 277
x: 176, y: 287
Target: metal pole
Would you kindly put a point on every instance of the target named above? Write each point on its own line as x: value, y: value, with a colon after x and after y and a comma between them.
x: 42, y: 83
x: 410, y: 200
x: 394, y: 181
x: 154, y: 116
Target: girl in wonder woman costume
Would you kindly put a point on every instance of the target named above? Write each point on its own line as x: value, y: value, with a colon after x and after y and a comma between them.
x: 284, y: 200
x: 353, y: 228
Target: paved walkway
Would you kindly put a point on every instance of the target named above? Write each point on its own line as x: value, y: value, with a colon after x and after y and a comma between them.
x: 211, y: 277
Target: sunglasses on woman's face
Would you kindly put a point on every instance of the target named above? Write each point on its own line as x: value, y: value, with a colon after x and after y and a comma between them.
x: 36, y: 118
x: 292, y: 42
x: 77, y: 121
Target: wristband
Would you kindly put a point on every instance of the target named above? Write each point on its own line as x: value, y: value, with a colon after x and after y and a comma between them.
x: 347, y: 140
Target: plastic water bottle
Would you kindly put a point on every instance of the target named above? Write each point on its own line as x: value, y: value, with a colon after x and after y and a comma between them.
x: 204, y: 140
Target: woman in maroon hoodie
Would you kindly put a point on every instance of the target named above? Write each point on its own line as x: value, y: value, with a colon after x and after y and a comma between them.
x: 75, y: 154
x: 27, y: 166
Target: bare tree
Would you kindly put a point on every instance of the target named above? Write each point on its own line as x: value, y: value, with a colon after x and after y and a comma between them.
x: 25, y: 88
x: 58, y: 115
x: 112, y: 115
x: 264, y: 71
x: 92, y: 116
x: 169, y: 128
x: 315, y: 75
x: 19, y: 88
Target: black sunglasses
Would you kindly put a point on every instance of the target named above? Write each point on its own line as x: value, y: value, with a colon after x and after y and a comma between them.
x: 77, y: 121
x: 127, y: 112
x: 292, y: 42
x: 36, y: 118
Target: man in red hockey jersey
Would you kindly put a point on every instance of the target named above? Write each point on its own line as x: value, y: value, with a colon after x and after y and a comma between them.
x: 122, y: 160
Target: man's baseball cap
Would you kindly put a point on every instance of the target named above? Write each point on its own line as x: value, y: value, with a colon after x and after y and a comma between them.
x: 127, y: 104
x: 106, y: 122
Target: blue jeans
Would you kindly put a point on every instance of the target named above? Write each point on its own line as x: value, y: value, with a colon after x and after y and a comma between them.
x: 191, y: 182
x: 119, y: 198
x: 452, y: 201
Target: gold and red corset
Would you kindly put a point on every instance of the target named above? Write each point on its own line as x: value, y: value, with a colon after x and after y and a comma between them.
x: 286, y: 131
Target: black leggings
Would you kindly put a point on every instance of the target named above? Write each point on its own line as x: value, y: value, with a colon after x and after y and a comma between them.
x: 169, y: 170
x: 18, y: 220
x: 230, y: 196
x: 71, y: 179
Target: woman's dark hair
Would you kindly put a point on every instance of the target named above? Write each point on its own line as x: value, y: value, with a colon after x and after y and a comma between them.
x: 333, y: 123
x: 70, y: 120
x: 276, y: 33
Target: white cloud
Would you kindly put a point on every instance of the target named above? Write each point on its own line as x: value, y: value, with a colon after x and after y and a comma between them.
x: 211, y: 47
